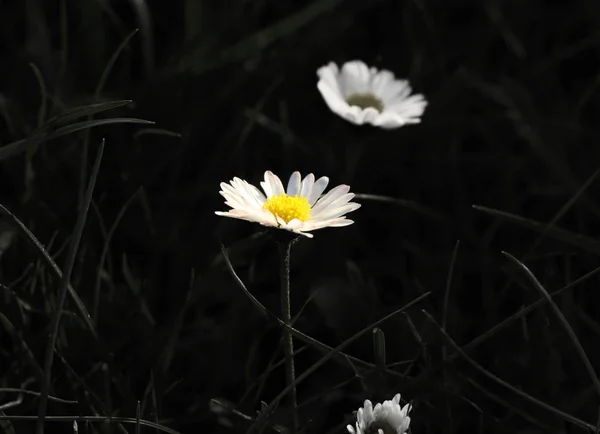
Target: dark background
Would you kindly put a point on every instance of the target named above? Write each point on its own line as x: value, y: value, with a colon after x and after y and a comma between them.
x: 511, y: 126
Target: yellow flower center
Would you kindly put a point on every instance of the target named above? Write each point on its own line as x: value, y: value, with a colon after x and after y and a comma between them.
x: 288, y: 208
x: 365, y: 100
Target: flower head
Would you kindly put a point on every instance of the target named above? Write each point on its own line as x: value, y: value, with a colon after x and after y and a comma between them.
x: 386, y: 418
x: 299, y: 209
x: 362, y: 95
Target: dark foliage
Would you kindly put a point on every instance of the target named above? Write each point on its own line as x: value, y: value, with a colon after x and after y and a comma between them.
x: 505, y: 159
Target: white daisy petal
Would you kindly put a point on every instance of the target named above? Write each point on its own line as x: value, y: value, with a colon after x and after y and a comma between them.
x: 307, y: 185
x: 354, y: 77
x: 300, y: 210
x: 364, y: 95
x: 332, y: 213
x: 318, y: 188
x: 333, y: 194
x: 293, y: 187
x: 275, y: 183
x: 334, y: 223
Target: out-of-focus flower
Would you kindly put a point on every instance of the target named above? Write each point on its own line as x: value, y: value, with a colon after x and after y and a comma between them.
x: 300, y: 209
x: 386, y: 418
x: 364, y: 95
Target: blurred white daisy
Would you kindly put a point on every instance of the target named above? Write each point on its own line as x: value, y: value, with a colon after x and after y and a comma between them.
x: 386, y: 418
x: 300, y: 209
x: 364, y: 95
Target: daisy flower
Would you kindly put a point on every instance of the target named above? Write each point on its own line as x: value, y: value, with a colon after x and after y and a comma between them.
x: 386, y: 418
x: 299, y: 209
x: 364, y: 95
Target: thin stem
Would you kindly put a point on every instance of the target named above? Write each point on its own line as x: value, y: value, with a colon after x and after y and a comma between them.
x: 286, y: 312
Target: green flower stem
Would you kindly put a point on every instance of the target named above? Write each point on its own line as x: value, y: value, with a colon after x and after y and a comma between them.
x: 288, y: 345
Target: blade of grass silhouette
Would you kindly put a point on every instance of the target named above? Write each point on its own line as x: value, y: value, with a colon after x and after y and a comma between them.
x: 138, y: 426
x: 104, y: 253
x: 23, y: 347
x: 513, y: 408
x: 275, y: 401
x: 93, y: 419
x: 99, y: 87
x: 22, y: 145
x: 63, y: 290
x: 421, y: 343
x: 164, y: 361
x: 256, y: 42
x: 508, y: 321
x: 50, y: 262
x: 75, y: 113
x: 34, y: 393
x: 6, y: 425
x: 156, y: 132
x: 447, y: 292
x: 43, y: 110
x: 506, y: 385
x: 259, y: 383
x: 562, y: 319
x: 231, y: 409
x: 273, y: 364
x: 111, y: 62
x: 561, y: 212
x: 450, y: 420
x: 563, y: 235
x: 298, y: 334
x: 379, y: 353
x: 89, y: 394
x: 144, y: 20
x: 519, y: 113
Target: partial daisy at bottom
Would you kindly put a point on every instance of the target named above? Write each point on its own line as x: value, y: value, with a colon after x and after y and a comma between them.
x: 386, y: 418
x: 364, y: 95
x: 300, y: 208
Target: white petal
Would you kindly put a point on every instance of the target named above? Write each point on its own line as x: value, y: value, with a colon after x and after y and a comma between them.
x: 381, y: 83
x: 355, y: 78
x: 318, y: 188
x: 332, y: 195
x: 275, y: 183
x: 411, y: 107
x: 307, y: 185
x: 332, y: 213
x: 293, y: 187
x: 334, y: 223
x: 334, y: 100
x: 394, y: 91
x: 238, y: 197
x: 329, y: 77
x: 389, y: 120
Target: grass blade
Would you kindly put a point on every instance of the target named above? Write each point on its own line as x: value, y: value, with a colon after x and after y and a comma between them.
x: 85, y: 315
x: 297, y: 334
x: 330, y: 355
x: 63, y: 289
x: 22, y: 145
x: 102, y: 419
x: 509, y: 386
x: 86, y: 110
x: 563, y: 235
x: 563, y: 320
